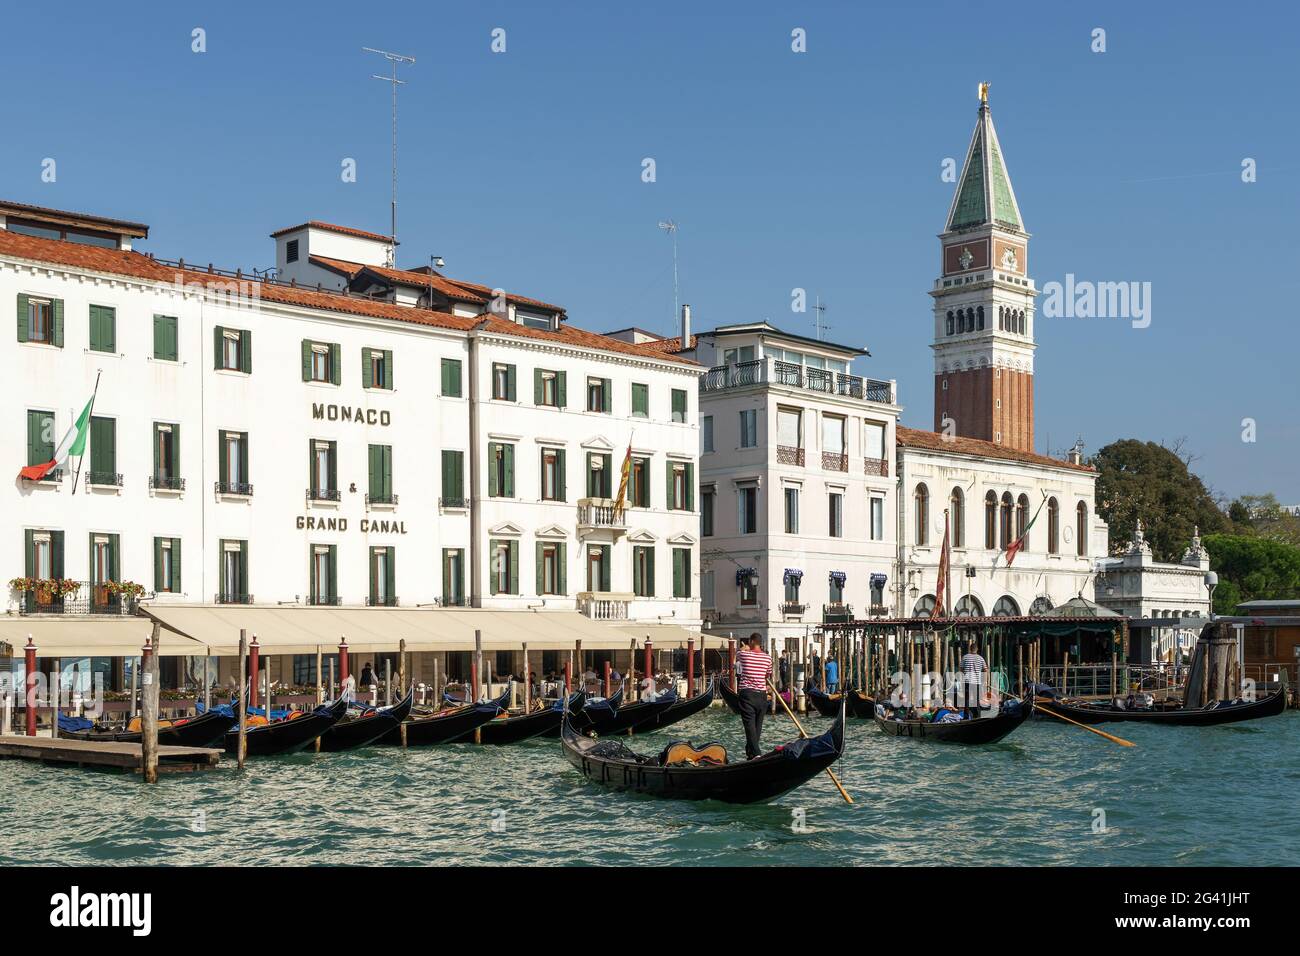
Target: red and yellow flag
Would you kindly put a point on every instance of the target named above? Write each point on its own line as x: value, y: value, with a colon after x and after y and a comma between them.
x: 625, y: 475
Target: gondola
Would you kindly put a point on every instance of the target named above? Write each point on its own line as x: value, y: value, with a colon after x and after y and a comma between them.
x: 732, y: 697
x: 1221, y: 712
x: 680, y: 710
x: 287, y: 735
x: 611, y: 717
x: 206, y: 730
x: 979, y: 730
x: 447, y: 726
x: 828, y: 705
x: 581, y: 717
x: 611, y: 763
x: 575, y: 705
x: 510, y: 730
x: 860, y: 705
x: 365, y: 729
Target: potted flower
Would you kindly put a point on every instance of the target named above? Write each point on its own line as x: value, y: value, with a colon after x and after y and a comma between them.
x: 124, y: 590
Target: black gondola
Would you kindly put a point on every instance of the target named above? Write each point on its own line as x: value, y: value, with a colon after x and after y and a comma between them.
x: 860, y: 705
x: 978, y: 730
x: 287, y: 736
x: 1221, y: 712
x: 828, y: 705
x: 594, y: 706
x: 732, y: 698
x: 365, y: 729
x: 511, y: 730
x: 613, y: 764
x: 206, y: 730
x: 680, y: 710
x: 626, y: 718
x: 575, y: 705
x: 447, y: 726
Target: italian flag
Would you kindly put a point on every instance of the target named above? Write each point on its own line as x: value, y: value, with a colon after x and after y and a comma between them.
x: 74, y: 443
x: 1018, y: 545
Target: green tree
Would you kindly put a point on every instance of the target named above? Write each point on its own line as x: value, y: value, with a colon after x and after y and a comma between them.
x: 1263, y: 516
x: 1147, y: 481
x: 1251, y: 567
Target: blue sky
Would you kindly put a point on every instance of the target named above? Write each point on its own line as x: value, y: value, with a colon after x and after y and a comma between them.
x: 818, y: 170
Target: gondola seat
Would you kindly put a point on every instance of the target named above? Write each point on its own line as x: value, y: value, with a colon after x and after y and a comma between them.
x: 683, y: 753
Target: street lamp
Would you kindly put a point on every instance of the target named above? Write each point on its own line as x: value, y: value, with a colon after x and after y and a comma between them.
x: 1211, y: 582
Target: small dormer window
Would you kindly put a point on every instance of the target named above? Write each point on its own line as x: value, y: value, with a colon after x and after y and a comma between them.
x: 291, y: 251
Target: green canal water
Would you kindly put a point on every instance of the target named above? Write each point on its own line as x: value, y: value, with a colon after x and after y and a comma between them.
x: 1183, y: 796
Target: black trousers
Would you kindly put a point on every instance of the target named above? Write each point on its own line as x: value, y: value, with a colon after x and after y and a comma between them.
x: 753, y: 704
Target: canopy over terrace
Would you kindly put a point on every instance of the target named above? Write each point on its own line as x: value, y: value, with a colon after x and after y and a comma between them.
x: 63, y: 636
x: 304, y: 630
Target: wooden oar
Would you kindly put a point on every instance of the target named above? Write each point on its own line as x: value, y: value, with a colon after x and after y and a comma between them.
x: 1101, y: 733
x: 803, y: 733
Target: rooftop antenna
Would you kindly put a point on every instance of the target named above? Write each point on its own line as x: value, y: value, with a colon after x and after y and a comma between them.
x: 820, y: 318
x: 394, y: 59
x: 670, y: 227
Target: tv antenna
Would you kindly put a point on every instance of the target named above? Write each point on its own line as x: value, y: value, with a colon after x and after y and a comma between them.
x: 819, y: 318
x: 670, y: 227
x: 395, y: 59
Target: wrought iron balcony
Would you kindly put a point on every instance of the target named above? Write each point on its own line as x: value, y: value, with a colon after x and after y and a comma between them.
x: 231, y: 597
x: 324, y: 494
x: 875, y: 466
x: 389, y: 500
x: 233, y: 488
x: 104, y: 479
x: 321, y: 600
x: 793, y: 608
x: 387, y: 600
x: 789, y: 455
x: 831, y: 461
x: 53, y: 477
x: 166, y: 483
x: 837, y: 613
x: 457, y: 503
x: 774, y: 372
x: 75, y: 597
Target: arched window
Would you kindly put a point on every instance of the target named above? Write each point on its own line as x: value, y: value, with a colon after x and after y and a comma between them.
x: 1042, y: 604
x: 990, y: 521
x: 950, y: 322
x: 1022, y: 520
x: 968, y: 606
x: 979, y: 318
x: 921, y: 507
x: 1002, y: 320
x: 1053, y: 527
x: 1005, y: 538
x: 970, y: 320
x: 924, y: 607
x: 957, y: 517
x: 1006, y: 606
x: 1020, y: 324
x: 1081, y: 529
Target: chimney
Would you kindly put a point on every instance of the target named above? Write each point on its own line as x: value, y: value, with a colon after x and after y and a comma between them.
x: 1075, y: 455
x: 686, y: 327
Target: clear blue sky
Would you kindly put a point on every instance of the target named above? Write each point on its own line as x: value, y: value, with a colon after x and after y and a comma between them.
x: 817, y: 170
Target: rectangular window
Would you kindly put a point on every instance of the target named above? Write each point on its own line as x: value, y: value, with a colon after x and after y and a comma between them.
x: 836, y: 593
x: 233, y: 349
x: 835, y: 520
x: 103, y: 328
x: 706, y: 590
x: 873, y: 440
x: 40, y: 320
x: 166, y: 344
x: 749, y: 428
x: 877, y: 519
x: 792, y: 582
x: 232, y: 463
x: 598, y: 568
x: 681, y: 486
x: 598, y: 395
x: 453, y: 479
x: 833, y: 443
x: 317, y: 365
x: 748, y: 591
x: 747, y: 498
x: 553, y: 467
x: 103, y: 566
x: 233, y: 569
x: 706, y: 433
x: 550, y: 567
x: 103, y: 452
x: 789, y: 430
x: 599, y: 475
x: 40, y: 438
x: 167, y: 565
x: 453, y: 577
x: 383, y: 575
x: 381, y: 475
x: 548, y: 388
x: 323, y: 474
x: 640, y: 400
x: 639, y: 490
x: 44, y: 559
x: 503, y: 382
x: 707, y: 499
x: 324, y: 574
x: 451, y: 378
x: 377, y: 368
x: 679, y: 405
x: 681, y: 572
x: 791, y: 510
x: 501, y: 470
x: 643, y: 571
x: 504, y: 556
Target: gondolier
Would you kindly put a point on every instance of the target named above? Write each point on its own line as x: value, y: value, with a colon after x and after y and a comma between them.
x: 973, y: 669
x: 753, y: 669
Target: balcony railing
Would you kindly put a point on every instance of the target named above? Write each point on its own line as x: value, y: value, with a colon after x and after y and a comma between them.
x: 789, y: 375
x: 875, y: 466
x: 837, y: 613
x: 600, y: 513
x: 388, y: 500
x: 387, y: 600
x: 233, y: 488
x: 605, y: 605
x: 793, y: 608
x: 324, y: 494
x: 453, y: 502
x: 832, y: 461
x: 104, y: 479
x: 789, y: 455
x: 89, y: 597
x: 166, y: 483
x: 321, y: 600
x: 231, y: 597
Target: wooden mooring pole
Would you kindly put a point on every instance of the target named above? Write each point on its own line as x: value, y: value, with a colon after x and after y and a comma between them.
x: 242, y: 750
x: 401, y: 684
x: 149, y: 722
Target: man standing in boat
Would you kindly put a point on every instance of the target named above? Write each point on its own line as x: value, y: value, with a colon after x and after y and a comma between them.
x: 753, y: 670
x: 973, y: 671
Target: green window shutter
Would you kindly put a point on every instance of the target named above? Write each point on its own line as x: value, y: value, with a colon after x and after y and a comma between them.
x: 29, y: 553
x: 514, y: 567
x: 58, y: 322
x: 158, y: 334
x: 509, y: 490
x: 668, y: 483
x: 223, y: 459
x: 388, y: 471
x: 451, y: 378
x: 562, y: 560
x: 218, y: 338
x: 156, y: 462
x: 679, y: 405
x: 165, y: 338
x: 607, y: 476
x: 537, y: 386
x: 541, y: 576
x: 22, y: 322
x: 606, y: 395
x: 334, y: 572
x: 388, y: 369
x: 561, y: 389
x: 336, y: 365
x: 103, y: 332
x: 690, y: 486
x: 246, y: 351
x: 176, y: 565
x: 390, y: 574
x: 510, y: 384
x: 636, y: 571
x: 604, y: 567
x: 244, y: 577
x: 650, y: 572
x: 678, y: 572
x: 306, y: 360
x: 445, y: 377
x: 367, y: 379
x: 114, y: 558
x: 493, y: 490
x: 176, y: 451
x: 458, y: 472
x: 334, y: 465
x: 40, y: 446
x: 561, y: 492
x: 158, y: 582
x: 446, y: 575
x: 372, y: 470
x: 56, y: 553
x: 103, y: 452
x: 640, y: 399
x: 243, y: 459
x: 492, y: 571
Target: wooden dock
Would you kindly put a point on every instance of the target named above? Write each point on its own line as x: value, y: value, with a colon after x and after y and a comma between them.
x: 119, y: 756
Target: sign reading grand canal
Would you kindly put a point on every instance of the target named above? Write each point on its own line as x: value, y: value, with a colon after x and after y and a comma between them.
x: 368, y: 525
x: 346, y: 413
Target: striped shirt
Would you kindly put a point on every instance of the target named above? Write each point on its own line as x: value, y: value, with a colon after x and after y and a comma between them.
x: 973, y: 666
x: 752, y: 669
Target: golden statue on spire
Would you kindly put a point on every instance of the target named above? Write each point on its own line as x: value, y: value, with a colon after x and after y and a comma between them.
x: 984, y: 92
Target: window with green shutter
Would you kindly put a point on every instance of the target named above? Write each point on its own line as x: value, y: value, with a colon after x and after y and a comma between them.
x: 681, y: 572
x: 548, y: 388
x: 551, y: 573
x: 103, y: 452
x: 40, y: 437
x: 453, y: 479
x: 376, y: 368
x: 321, y: 362
x: 679, y: 405
x: 167, y: 565
x: 232, y: 349
x: 640, y: 400
x: 40, y: 320
x: 381, y: 474
x: 599, y: 475
x: 103, y: 328
x: 166, y: 343
x: 504, y: 576
x: 501, y: 470
x: 451, y: 378
x: 453, y: 577
x: 643, y: 571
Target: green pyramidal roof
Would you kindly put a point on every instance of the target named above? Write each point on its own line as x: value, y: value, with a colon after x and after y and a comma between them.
x: 984, y: 193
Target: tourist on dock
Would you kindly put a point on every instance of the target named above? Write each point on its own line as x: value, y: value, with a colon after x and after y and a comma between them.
x: 817, y: 670
x: 785, y: 670
x: 753, y: 670
x: 368, y: 677
x: 832, y: 676
x: 349, y: 689
x: 973, y: 671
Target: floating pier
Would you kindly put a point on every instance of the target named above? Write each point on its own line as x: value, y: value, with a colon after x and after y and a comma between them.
x: 119, y: 756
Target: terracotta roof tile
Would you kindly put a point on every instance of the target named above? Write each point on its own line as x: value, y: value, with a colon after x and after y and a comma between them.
x: 345, y: 230
x: 669, y: 345
x: 915, y: 438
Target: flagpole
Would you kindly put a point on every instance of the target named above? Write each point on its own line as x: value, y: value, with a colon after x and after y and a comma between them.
x: 81, y: 458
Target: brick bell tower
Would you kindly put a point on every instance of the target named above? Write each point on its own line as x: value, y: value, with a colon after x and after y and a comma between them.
x: 984, y: 304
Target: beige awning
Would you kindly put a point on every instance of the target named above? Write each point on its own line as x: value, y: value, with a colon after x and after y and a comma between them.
x: 89, y: 636
x: 302, y: 630
x: 667, y: 636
